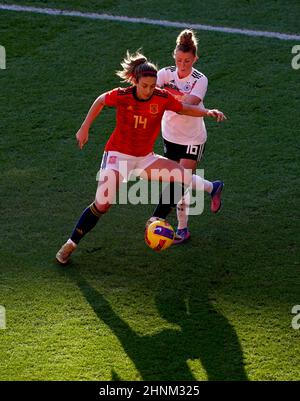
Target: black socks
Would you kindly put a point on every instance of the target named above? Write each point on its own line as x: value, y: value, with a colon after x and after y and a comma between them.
x: 87, y: 221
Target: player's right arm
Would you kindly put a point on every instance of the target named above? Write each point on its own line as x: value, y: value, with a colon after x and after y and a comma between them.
x: 82, y: 134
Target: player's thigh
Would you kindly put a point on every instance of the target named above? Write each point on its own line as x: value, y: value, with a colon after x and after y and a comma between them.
x: 166, y: 170
x: 189, y: 155
x: 108, y: 184
x: 189, y: 164
x: 173, y: 151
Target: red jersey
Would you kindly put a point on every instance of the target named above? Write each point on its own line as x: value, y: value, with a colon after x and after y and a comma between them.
x: 138, y: 121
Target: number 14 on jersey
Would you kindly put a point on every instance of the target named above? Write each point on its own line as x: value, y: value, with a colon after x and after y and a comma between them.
x: 140, y: 121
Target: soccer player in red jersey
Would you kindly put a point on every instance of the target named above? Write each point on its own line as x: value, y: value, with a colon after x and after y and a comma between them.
x: 139, y: 111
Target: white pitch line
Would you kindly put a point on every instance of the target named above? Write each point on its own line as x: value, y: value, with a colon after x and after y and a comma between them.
x: 96, y: 16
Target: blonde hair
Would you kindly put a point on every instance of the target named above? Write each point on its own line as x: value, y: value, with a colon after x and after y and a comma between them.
x: 135, y: 66
x: 187, y: 42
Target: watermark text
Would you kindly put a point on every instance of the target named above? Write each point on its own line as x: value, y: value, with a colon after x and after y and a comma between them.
x: 296, y: 59
x: 2, y: 317
x: 2, y: 58
x: 296, y: 319
x: 135, y: 188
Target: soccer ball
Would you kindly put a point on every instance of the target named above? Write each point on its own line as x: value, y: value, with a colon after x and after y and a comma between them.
x: 159, y: 235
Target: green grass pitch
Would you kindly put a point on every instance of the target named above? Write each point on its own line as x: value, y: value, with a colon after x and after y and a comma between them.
x: 218, y: 308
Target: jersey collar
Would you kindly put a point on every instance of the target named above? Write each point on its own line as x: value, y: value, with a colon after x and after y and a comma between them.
x: 187, y: 77
x: 141, y: 100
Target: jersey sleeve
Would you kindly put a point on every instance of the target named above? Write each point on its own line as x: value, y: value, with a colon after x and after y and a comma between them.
x: 111, y: 98
x: 174, y: 104
x: 200, y: 88
x: 161, y: 78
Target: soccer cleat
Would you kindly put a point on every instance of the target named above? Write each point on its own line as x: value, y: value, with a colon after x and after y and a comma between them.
x: 216, y: 202
x: 63, y: 255
x: 181, y: 236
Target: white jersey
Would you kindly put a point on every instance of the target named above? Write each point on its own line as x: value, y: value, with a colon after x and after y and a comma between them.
x: 181, y: 129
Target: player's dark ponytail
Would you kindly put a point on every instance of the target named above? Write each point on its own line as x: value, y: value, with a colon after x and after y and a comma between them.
x: 135, y: 66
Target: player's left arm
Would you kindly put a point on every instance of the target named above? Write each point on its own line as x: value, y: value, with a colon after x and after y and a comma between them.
x: 191, y: 99
x: 193, y: 110
x: 196, y: 111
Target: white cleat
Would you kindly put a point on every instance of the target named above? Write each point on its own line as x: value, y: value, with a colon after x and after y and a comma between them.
x: 63, y: 255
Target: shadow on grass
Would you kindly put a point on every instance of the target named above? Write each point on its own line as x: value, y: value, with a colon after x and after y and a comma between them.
x: 203, y: 334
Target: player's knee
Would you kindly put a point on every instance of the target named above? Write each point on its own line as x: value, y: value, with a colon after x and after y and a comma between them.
x: 181, y: 175
x: 103, y: 207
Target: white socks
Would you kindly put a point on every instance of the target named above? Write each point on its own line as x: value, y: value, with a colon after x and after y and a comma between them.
x: 199, y: 184
x: 183, y: 210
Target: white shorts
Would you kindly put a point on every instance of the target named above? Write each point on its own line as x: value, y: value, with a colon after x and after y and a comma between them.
x: 127, y: 165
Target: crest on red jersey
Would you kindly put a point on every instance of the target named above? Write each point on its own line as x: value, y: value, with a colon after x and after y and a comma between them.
x: 153, y: 108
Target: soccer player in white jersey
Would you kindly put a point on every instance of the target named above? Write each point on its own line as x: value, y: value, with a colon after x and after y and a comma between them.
x: 184, y: 137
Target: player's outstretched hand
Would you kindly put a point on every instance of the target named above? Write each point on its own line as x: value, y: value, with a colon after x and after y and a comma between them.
x: 217, y: 114
x: 82, y: 136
